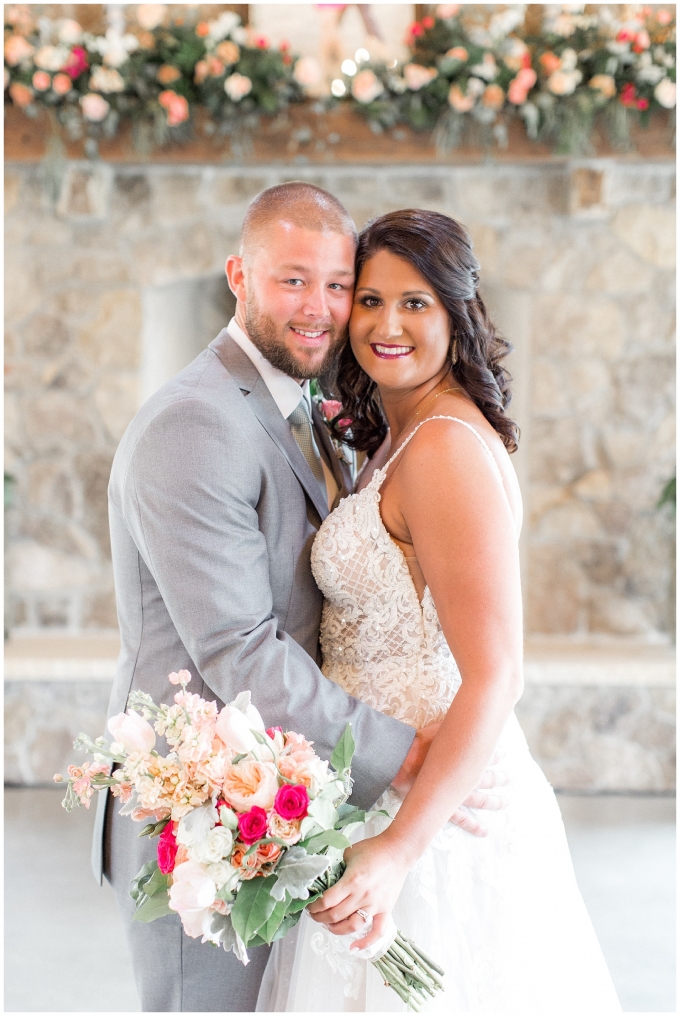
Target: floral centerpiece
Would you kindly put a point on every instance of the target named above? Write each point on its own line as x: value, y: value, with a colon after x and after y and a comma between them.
x: 251, y: 824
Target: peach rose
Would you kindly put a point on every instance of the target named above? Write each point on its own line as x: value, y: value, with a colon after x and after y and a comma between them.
x: 458, y: 53
x: 237, y: 86
x: 41, y: 81
x: 268, y: 853
x: 61, y: 84
x: 460, y: 102
x: 228, y: 52
x: 417, y: 76
x: 250, y: 784
x: 366, y: 87
x: 564, y: 82
x: 250, y: 866
x: 17, y: 50
x: 493, y: 97
x: 176, y: 105
x: 521, y: 85
x: 21, y: 95
x: 201, y: 71
x: 289, y: 832
x: 603, y: 83
x: 550, y: 62
x: 166, y: 74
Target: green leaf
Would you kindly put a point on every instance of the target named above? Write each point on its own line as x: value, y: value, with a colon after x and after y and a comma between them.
x: 271, y: 925
x: 141, y: 878
x: 157, y: 883
x: 343, y: 753
x: 323, y: 811
x: 287, y: 924
x: 153, y: 908
x: 348, y: 813
x: 254, y: 905
x: 328, y: 838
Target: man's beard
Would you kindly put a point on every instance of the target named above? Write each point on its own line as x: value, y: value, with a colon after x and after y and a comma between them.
x: 261, y: 331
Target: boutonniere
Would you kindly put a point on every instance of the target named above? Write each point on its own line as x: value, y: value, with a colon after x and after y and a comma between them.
x: 329, y: 409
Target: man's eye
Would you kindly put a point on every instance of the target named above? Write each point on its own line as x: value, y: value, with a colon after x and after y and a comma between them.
x: 336, y: 285
x: 294, y: 282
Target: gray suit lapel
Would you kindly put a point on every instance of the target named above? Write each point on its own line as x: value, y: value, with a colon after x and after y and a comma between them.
x: 259, y: 401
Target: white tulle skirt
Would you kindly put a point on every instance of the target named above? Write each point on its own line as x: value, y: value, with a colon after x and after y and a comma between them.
x: 502, y: 915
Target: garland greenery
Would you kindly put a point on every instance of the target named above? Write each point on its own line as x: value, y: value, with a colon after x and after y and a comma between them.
x: 464, y: 80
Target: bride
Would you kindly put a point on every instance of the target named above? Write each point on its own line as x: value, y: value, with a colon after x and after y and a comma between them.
x: 423, y: 620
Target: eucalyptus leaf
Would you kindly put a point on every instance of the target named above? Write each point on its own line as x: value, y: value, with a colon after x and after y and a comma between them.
x: 351, y: 816
x: 343, y: 753
x: 153, y: 907
x: 254, y: 903
x: 309, y: 827
x: 328, y: 838
x: 296, y: 872
x: 157, y: 883
x: 324, y: 812
x: 141, y: 878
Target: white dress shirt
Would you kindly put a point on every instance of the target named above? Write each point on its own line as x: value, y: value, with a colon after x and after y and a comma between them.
x: 285, y: 392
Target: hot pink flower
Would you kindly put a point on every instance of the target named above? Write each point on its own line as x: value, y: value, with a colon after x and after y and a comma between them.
x: 76, y: 63
x: 167, y: 849
x: 291, y: 801
x: 628, y: 93
x: 252, y: 824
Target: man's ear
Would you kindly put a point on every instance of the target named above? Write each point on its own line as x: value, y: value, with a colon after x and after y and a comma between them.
x: 236, y: 277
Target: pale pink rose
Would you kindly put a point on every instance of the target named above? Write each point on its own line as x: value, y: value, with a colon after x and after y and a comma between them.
x: 61, y: 84
x: 94, y: 107
x: 250, y: 784
x: 366, y: 86
x: 182, y: 677
x: 460, y: 102
x: 642, y: 41
x: 149, y: 16
x: 41, y: 81
x: 70, y: 32
x: 17, y: 50
x: 234, y: 728
x: 445, y: 11
x: 289, y: 832
x: 665, y: 93
x: 21, y: 95
x: 237, y: 86
x: 307, y: 72
x: 192, y: 894
x: 417, y: 76
x: 330, y: 408
x: 132, y: 731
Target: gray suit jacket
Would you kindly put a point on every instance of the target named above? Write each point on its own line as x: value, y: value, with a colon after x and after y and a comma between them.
x: 213, y: 511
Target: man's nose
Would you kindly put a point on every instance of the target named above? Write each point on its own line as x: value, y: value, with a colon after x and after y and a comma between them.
x: 316, y: 302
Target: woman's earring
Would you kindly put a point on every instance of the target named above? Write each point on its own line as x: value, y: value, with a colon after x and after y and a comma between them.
x: 454, y: 354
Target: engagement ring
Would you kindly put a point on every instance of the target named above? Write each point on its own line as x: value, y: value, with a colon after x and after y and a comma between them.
x: 362, y: 913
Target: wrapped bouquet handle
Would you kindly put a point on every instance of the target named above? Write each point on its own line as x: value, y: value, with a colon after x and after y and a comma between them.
x: 252, y: 825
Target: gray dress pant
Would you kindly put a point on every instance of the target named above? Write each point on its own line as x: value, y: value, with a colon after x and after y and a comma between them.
x: 173, y: 973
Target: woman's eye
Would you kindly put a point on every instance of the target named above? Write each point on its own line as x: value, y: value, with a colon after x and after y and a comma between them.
x: 415, y: 304
x: 370, y: 301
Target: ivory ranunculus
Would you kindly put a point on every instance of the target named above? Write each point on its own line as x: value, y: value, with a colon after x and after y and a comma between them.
x: 130, y: 730
x: 216, y: 846
x: 250, y: 784
x: 192, y: 893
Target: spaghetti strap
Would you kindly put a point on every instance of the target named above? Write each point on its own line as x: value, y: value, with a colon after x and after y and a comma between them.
x: 473, y: 430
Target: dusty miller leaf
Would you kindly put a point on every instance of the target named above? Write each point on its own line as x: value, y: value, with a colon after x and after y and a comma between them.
x: 296, y: 872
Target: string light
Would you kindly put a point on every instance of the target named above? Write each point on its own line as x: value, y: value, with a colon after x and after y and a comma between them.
x: 349, y: 68
x: 338, y: 88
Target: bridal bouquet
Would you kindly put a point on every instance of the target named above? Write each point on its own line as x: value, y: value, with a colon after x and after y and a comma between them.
x: 251, y: 823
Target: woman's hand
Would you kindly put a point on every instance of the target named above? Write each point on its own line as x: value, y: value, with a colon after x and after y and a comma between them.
x: 372, y: 882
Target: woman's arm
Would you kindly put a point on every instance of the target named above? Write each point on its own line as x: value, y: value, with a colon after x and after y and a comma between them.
x: 458, y: 518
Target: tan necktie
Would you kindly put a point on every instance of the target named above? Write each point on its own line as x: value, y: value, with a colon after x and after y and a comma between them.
x: 301, y: 428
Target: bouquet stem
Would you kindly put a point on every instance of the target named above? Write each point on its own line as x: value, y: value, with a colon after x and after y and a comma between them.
x: 404, y: 967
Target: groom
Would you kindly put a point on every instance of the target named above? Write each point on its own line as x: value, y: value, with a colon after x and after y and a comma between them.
x: 218, y: 488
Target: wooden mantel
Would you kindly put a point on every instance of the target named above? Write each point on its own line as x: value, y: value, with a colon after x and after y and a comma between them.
x: 303, y: 136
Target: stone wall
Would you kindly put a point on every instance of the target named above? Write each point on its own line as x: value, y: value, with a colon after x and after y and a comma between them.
x: 577, y: 262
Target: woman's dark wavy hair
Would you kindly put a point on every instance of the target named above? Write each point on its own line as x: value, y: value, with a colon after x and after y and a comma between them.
x: 440, y: 249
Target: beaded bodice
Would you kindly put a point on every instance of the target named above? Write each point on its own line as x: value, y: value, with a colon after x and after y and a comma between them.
x: 379, y: 641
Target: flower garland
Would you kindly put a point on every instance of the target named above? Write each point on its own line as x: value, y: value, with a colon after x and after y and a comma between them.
x: 157, y: 75
x: 465, y: 75
x: 463, y: 79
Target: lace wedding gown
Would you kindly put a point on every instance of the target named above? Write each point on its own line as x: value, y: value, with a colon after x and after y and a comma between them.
x: 503, y: 914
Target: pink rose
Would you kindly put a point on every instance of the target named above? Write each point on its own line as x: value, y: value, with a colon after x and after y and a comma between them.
x: 252, y: 824
x: 331, y: 408
x: 167, y: 849
x: 94, y: 107
x: 76, y: 63
x: 291, y: 801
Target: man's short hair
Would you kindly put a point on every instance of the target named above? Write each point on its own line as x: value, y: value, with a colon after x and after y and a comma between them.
x: 300, y: 203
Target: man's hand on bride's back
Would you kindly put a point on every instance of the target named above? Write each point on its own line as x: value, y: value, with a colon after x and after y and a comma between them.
x: 478, y: 799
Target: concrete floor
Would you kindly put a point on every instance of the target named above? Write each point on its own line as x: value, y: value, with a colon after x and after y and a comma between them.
x: 65, y: 949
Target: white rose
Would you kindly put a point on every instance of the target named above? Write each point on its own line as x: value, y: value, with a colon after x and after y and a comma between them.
x: 130, y: 730
x: 664, y: 93
x: 192, y: 893
x: 195, y: 825
x: 224, y: 875
x: 216, y: 845
x: 70, y: 32
x: 237, y: 86
x: 51, y: 58
x: 149, y: 16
